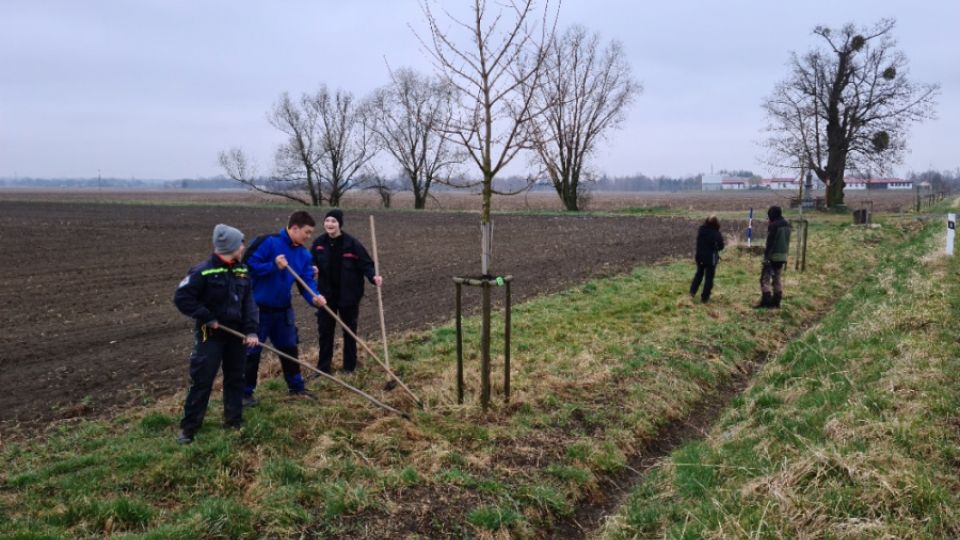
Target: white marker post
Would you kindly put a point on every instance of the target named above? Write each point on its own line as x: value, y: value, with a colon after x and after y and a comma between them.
x: 951, y: 231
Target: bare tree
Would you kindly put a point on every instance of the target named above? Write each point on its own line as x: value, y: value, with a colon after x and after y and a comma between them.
x: 346, y: 141
x: 296, y: 161
x: 584, y: 93
x: 846, y: 106
x: 494, y: 72
x: 493, y: 61
x: 383, y: 187
x: 329, y: 144
x: 409, y: 114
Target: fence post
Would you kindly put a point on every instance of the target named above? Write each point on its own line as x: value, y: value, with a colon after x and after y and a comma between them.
x: 951, y: 231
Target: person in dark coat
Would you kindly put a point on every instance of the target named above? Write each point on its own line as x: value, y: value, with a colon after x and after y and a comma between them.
x: 774, y: 259
x: 709, y: 246
x: 215, y: 293
x: 342, y: 264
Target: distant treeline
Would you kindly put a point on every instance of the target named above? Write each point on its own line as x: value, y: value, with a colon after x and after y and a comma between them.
x: 637, y: 182
x: 940, y: 181
x: 119, y: 183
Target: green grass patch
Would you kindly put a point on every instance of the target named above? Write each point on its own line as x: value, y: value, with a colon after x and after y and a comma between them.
x: 597, y: 371
x: 849, y: 432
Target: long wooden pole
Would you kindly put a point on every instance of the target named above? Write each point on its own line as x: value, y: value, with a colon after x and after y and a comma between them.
x: 356, y: 338
x: 376, y: 270
x: 353, y: 389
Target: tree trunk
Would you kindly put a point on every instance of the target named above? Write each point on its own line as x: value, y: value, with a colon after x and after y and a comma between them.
x: 835, y: 193
x: 419, y: 195
x: 570, y: 198
x: 835, y: 167
x: 486, y: 256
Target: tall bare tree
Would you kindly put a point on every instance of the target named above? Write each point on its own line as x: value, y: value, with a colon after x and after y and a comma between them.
x: 585, y: 91
x: 493, y: 61
x: 409, y: 115
x: 346, y: 142
x: 329, y: 144
x: 296, y: 161
x: 494, y: 67
x: 846, y: 105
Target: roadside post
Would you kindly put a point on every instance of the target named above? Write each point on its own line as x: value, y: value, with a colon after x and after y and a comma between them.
x: 750, y: 227
x: 951, y: 231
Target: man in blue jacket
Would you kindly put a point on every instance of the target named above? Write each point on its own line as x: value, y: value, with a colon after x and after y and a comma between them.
x: 268, y: 263
x: 217, y: 292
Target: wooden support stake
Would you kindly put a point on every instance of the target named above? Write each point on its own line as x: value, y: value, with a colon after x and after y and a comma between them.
x: 485, y: 347
x: 506, y: 349
x: 459, y: 346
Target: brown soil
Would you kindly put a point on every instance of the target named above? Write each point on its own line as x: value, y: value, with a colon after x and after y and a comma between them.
x: 881, y: 200
x: 86, y: 294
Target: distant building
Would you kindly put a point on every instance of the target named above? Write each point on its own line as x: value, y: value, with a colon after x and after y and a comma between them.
x: 735, y: 183
x: 780, y: 183
x: 711, y: 182
x: 718, y: 182
x: 852, y: 183
x: 878, y: 183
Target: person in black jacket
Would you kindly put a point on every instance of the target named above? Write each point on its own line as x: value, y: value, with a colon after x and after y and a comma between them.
x: 341, y: 263
x: 774, y: 259
x: 217, y: 293
x: 709, y: 245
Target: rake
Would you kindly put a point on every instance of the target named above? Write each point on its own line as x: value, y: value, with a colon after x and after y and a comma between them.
x: 353, y: 389
x: 357, y: 339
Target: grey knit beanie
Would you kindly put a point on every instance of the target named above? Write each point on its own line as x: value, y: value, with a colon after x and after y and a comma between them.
x: 226, y: 239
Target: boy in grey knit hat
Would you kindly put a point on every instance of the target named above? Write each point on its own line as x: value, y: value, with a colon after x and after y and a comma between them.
x: 217, y: 293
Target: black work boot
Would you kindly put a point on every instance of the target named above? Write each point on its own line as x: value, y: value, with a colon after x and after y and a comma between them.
x: 775, y: 300
x: 765, y: 301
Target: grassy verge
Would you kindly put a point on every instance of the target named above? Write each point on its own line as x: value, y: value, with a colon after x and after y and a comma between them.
x: 598, y: 370
x: 851, y: 432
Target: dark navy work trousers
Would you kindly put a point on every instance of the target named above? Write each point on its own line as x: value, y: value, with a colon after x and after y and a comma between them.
x: 212, y: 349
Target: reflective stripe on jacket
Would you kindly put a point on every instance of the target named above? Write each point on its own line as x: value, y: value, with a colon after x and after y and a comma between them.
x: 215, y: 290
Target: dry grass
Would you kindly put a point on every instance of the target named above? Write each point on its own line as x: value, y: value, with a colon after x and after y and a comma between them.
x: 850, y: 434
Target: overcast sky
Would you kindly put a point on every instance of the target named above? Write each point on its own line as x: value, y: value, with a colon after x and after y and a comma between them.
x: 156, y: 88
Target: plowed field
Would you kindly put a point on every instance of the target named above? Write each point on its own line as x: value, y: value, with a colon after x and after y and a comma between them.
x: 86, y: 289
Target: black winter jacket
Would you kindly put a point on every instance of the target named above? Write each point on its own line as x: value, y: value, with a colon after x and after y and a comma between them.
x: 216, y: 291
x: 709, y: 245
x: 778, y: 241
x: 355, y: 264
